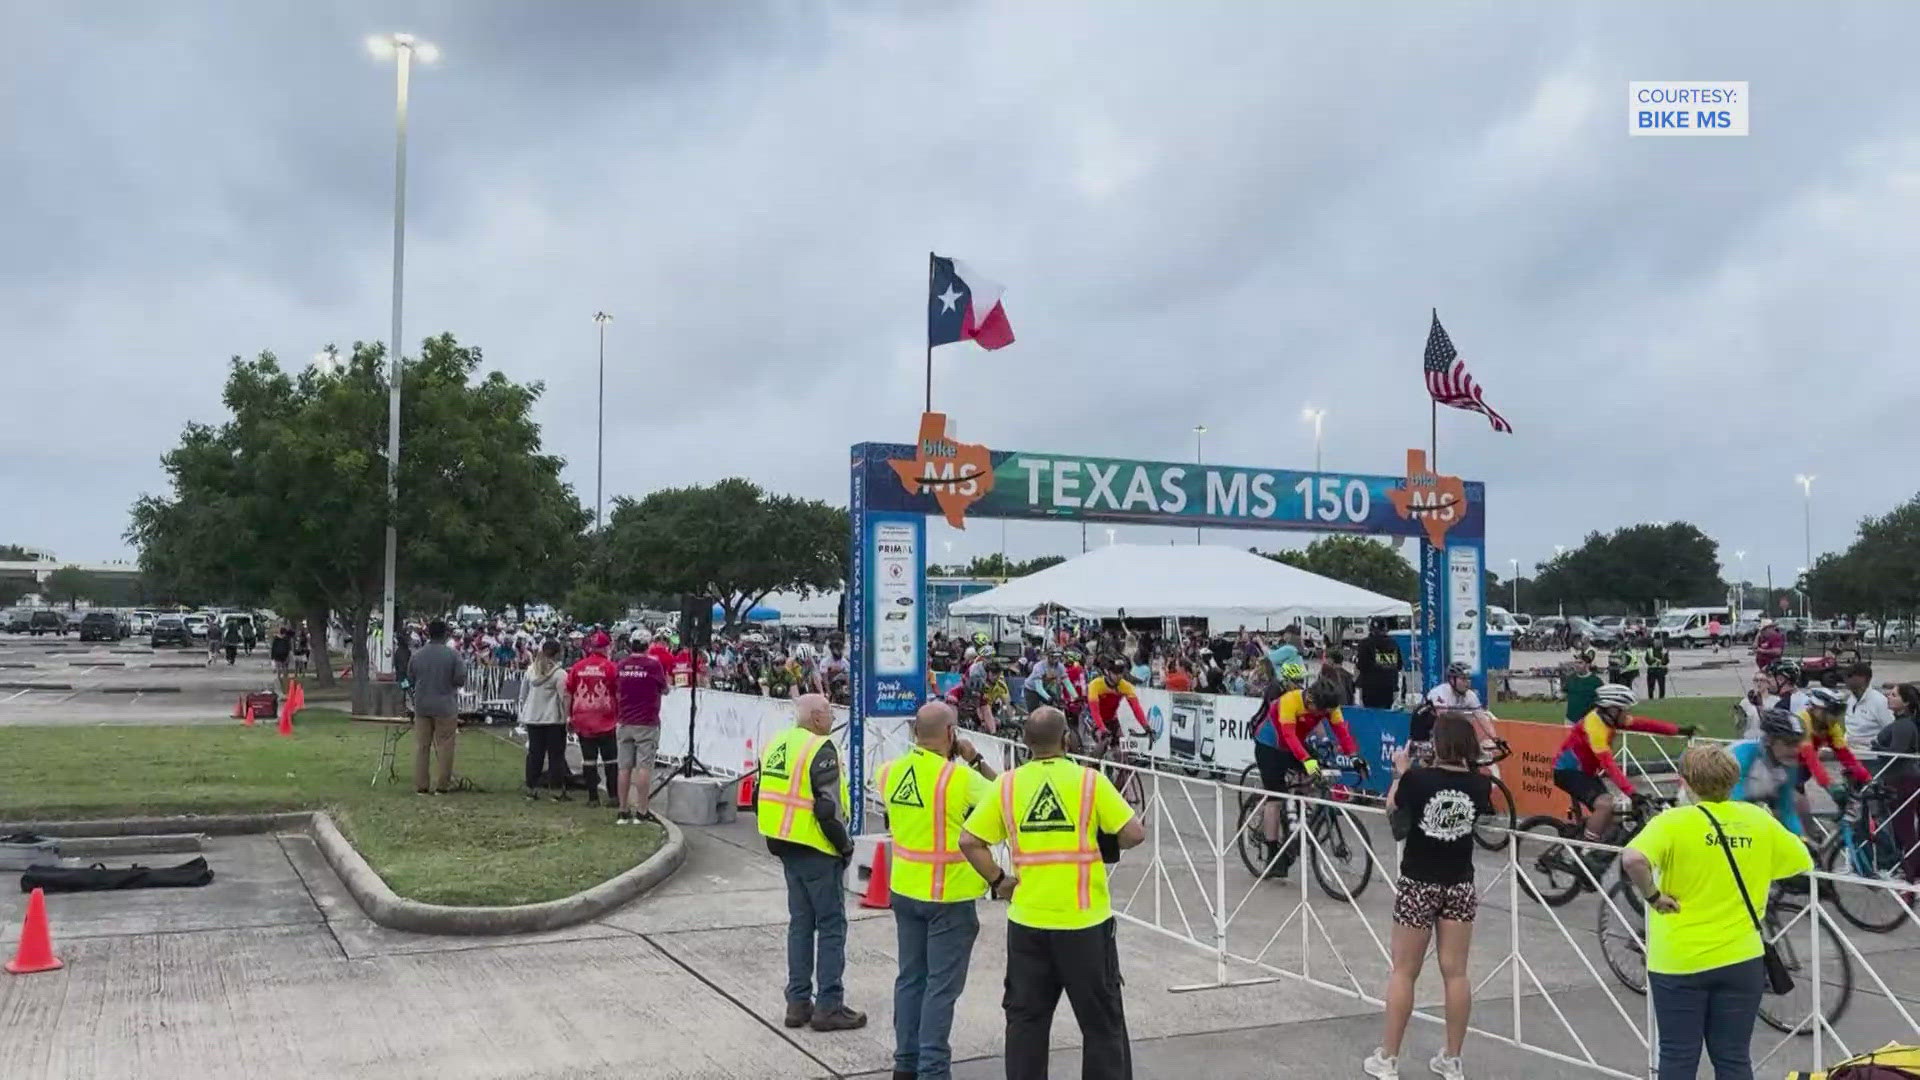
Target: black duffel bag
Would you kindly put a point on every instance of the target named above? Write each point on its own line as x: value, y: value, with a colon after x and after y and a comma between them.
x: 102, y: 878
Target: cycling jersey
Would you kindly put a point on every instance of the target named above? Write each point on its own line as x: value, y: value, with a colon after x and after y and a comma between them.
x: 1105, y: 699
x: 1051, y: 682
x: 1831, y: 735
x: 1288, y: 723
x: 1443, y: 697
x: 1764, y: 780
x: 1589, y: 746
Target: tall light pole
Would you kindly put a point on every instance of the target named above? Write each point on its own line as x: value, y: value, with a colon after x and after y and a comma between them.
x: 600, y: 439
x: 403, y: 48
x: 1199, y: 459
x: 1516, y: 583
x: 1741, y: 603
x: 1805, y: 480
x: 1316, y: 416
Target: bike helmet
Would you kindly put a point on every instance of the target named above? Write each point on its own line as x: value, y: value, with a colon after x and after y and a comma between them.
x: 1324, y: 695
x: 1615, y: 696
x: 980, y: 637
x: 1457, y: 670
x: 1073, y: 656
x: 1819, y: 697
x: 1778, y: 723
x: 1785, y: 669
x: 1294, y: 671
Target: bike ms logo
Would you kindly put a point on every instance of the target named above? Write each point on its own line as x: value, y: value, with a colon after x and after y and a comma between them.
x: 1046, y: 813
x: 907, y: 791
x: 776, y: 763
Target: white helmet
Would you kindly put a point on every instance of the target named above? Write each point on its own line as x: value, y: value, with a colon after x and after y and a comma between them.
x: 1615, y: 696
x: 1820, y: 697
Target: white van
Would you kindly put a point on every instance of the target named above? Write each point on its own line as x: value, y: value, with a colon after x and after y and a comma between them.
x: 1500, y: 621
x: 1688, y: 626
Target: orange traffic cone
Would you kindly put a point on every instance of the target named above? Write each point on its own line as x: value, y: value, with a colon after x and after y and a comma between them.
x: 879, y: 892
x: 286, y: 723
x: 249, y: 719
x: 36, y: 940
x: 240, y: 707
x: 748, y: 771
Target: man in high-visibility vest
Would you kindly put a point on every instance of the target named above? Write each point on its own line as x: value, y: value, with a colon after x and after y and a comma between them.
x: 929, y: 794
x: 801, y: 805
x: 1056, y: 816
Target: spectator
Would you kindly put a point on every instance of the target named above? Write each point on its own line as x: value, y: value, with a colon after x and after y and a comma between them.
x: 1714, y: 631
x: 640, y: 684
x: 1434, y: 810
x: 1379, y: 662
x: 1334, y: 669
x: 1769, y: 644
x: 543, y: 709
x: 1867, y: 710
x: 1581, y: 686
x: 1715, y: 861
x: 280, y: 650
x: 1288, y: 651
x: 247, y: 636
x: 1179, y: 680
x: 591, y: 685
x: 437, y: 675
x: 231, y: 639
x: 302, y: 648
x: 1902, y: 774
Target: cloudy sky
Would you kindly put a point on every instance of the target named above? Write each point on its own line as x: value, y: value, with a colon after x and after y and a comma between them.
x: 1203, y: 213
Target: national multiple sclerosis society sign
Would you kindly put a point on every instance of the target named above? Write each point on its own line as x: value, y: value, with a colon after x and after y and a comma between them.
x: 937, y: 473
x: 1687, y: 108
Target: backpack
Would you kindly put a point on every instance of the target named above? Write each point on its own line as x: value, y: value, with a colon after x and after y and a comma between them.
x: 1891, y: 1062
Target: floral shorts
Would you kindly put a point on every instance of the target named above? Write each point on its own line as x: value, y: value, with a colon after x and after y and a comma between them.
x: 1421, y: 902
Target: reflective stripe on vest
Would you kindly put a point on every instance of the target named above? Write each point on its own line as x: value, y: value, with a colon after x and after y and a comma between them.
x: 941, y: 856
x: 787, y: 799
x: 1085, y: 852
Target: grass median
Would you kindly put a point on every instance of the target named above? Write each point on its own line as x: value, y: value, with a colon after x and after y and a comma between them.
x: 488, y: 846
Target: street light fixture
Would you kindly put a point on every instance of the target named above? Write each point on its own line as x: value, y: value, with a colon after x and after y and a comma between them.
x: 1316, y: 416
x: 1805, y: 480
x: 600, y: 439
x: 1109, y: 537
x: 1516, y: 583
x: 1199, y: 430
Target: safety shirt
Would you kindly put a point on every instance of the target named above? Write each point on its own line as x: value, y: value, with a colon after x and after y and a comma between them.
x: 928, y: 798
x: 1050, y: 812
x: 786, y: 789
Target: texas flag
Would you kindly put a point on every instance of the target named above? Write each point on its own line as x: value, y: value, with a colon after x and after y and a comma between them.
x: 963, y: 306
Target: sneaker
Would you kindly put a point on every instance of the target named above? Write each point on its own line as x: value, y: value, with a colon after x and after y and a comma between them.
x: 593, y: 801
x: 798, y: 1013
x: 840, y: 1018
x: 561, y: 796
x: 1381, y: 1067
x: 626, y: 819
x: 1446, y: 1068
x: 646, y: 816
x: 530, y: 795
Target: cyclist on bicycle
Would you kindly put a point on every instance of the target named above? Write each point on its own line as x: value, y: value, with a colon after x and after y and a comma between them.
x: 1280, y: 750
x: 971, y: 698
x: 1786, y: 684
x: 1076, y: 673
x: 1104, y: 695
x: 1769, y: 766
x: 1457, y: 694
x: 1048, y: 683
x: 1587, y: 755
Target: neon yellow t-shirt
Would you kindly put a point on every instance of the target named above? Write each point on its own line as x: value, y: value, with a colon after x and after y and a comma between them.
x: 1712, y: 928
x: 1046, y: 803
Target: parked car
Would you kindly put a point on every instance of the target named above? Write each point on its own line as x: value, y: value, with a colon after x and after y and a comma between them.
x: 47, y: 621
x: 169, y: 630
x: 100, y: 626
x: 17, y: 621
x: 196, y: 625
x: 141, y: 622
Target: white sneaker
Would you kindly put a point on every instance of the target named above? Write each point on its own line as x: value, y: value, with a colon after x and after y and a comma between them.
x: 1447, y: 1068
x: 1381, y: 1067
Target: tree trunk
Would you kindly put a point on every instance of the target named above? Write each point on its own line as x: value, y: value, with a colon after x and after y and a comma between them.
x: 357, y: 643
x: 317, y: 619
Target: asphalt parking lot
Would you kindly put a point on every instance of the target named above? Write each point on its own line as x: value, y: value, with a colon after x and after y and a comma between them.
x: 60, y: 680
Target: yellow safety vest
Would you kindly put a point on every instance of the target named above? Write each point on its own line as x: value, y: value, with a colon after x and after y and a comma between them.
x: 928, y: 798
x: 1047, y: 811
x: 786, y: 789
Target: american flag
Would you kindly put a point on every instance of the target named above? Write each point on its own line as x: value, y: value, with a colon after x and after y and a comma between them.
x: 1448, y: 382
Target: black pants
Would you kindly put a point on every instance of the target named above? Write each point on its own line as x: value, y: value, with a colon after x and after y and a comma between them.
x: 599, y: 754
x: 231, y: 650
x: 1379, y: 697
x: 1084, y: 963
x: 1656, y: 682
x: 547, y: 753
x: 1623, y: 678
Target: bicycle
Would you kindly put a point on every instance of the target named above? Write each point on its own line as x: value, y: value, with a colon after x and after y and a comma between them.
x: 1863, y: 846
x: 1622, y: 927
x: 1561, y: 875
x: 1493, y: 832
x: 1342, y: 854
x: 1114, y: 758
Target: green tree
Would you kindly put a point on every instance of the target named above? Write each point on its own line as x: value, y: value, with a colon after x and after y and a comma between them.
x: 12, y: 589
x: 729, y: 540
x: 71, y: 584
x: 12, y: 553
x: 1357, y: 560
x: 287, y: 498
x: 1636, y: 568
x: 596, y: 604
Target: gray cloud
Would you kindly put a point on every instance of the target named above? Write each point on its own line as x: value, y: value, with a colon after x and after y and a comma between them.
x: 1210, y: 213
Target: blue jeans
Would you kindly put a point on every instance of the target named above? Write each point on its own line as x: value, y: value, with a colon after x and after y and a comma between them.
x: 936, y: 945
x: 1716, y: 1007
x: 816, y: 919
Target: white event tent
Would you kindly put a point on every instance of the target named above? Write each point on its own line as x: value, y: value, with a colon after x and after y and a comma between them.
x: 1219, y: 583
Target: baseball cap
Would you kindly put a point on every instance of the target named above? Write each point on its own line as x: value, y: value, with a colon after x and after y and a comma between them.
x: 598, y: 640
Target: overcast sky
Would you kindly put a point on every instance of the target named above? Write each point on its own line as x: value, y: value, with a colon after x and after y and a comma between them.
x: 1203, y: 214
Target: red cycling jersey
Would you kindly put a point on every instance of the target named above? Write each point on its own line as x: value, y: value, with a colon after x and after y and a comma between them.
x: 1589, y: 746
x: 1105, y: 699
x: 1834, y: 737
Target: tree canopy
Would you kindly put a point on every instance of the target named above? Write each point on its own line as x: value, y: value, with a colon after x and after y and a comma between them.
x: 1878, y: 573
x: 729, y: 540
x: 287, y: 498
x: 69, y: 585
x: 996, y: 565
x: 1639, y: 566
x: 1357, y: 560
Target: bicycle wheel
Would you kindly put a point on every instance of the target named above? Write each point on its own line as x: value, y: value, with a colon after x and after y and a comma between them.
x: 1792, y: 1012
x: 1342, y: 855
x: 1256, y: 852
x: 1623, y: 935
x: 1493, y: 832
x: 1549, y: 869
x: 1877, y: 910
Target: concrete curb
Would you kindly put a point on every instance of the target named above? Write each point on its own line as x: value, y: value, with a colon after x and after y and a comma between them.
x: 383, y: 906
x: 381, y: 903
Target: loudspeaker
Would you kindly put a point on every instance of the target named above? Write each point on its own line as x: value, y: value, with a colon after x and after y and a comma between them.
x: 696, y: 622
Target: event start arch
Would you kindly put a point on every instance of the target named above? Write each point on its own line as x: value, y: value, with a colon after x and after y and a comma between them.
x: 895, y: 487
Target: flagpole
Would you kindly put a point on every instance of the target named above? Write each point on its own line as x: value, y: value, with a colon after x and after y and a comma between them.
x: 929, y: 407
x: 1433, y: 435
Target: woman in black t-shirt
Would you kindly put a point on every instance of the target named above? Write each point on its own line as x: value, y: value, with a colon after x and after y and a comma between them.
x: 1435, y: 810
